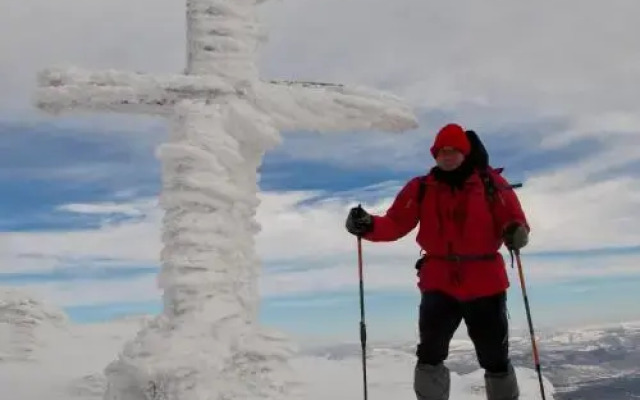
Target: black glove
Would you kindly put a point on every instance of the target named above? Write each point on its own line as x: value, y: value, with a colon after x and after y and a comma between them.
x: 359, y: 222
x: 515, y: 236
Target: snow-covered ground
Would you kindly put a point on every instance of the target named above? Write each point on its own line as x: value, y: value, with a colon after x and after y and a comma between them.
x: 44, y: 356
x: 588, y: 363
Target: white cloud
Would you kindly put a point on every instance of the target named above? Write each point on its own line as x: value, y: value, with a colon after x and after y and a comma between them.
x: 495, y: 66
x: 133, y: 241
x: 544, y: 56
x: 568, y: 213
x: 80, y: 293
x: 307, y: 238
x: 141, y: 34
x: 103, y: 208
x: 398, y: 274
x: 497, y: 52
x: 384, y: 272
x: 496, y: 63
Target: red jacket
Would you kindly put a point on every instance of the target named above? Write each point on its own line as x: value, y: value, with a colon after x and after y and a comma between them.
x: 454, y: 223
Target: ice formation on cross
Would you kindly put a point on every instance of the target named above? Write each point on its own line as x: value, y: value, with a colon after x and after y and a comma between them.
x: 207, y: 343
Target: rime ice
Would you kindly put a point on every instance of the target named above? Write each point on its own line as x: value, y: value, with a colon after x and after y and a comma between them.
x: 207, y: 344
x: 26, y: 325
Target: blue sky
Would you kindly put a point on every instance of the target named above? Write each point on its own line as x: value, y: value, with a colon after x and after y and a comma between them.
x: 36, y: 193
x: 78, y: 217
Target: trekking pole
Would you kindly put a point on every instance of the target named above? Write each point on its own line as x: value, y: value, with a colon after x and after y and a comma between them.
x: 363, y: 328
x: 536, y: 359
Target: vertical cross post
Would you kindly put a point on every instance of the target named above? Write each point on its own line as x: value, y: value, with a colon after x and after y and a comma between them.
x: 207, y: 343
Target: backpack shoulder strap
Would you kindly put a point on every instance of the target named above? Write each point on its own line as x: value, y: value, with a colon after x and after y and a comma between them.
x: 422, y: 187
x: 422, y: 190
x: 490, y: 185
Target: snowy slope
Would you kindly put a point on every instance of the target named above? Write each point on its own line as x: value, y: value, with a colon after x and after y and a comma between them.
x: 69, y: 363
x: 587, y: 363
x: 390, y: 374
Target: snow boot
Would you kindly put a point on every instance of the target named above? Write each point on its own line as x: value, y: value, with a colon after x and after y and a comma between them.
x: 431, y: 382
x: 502, y: 385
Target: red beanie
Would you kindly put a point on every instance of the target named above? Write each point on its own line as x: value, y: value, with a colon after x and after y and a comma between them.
x: 451, y: 135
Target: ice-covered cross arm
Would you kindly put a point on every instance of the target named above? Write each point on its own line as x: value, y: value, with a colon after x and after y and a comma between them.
x: 74, y: 89
x: 293, y: 105
x: 333, y: 107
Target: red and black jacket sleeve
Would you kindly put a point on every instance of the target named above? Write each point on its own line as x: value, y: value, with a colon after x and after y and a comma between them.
x: 401, y: 217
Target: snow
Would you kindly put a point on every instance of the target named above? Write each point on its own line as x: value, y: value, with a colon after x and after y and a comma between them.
x: 62, y: 89
x: 291, y: 105
x: 26, y: 325
x: 207, y: 343
x: 69, y: 366
x: 306, y: 106
x: 222, y: 38
x: 390, y: 376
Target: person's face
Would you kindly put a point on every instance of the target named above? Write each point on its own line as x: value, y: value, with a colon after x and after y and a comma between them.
x: 449, y: 158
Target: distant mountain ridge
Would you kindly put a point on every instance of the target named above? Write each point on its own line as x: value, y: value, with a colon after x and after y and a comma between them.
x: 598, y: 362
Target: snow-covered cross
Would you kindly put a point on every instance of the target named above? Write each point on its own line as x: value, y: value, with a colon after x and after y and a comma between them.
x: 207, y: 344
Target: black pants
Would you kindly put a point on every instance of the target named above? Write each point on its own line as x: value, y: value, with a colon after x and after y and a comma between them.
x: 487, y: 326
